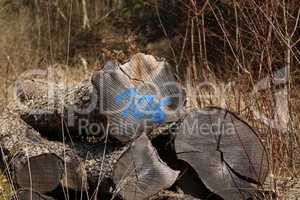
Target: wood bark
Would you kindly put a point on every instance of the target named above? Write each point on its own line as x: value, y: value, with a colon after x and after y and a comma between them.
x: 52, y: 109
x: 157, y: 99
x: 26, y: 194
x: 32, y: 161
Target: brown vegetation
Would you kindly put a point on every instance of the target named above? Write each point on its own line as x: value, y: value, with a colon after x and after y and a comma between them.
x: 233, y: 44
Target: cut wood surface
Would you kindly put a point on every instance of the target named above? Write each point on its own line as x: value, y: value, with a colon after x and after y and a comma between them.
x: 27, y: 194
x: 157, y: 72
x: 138, y: 95
x: 140, y: 173
x: 225, y: 152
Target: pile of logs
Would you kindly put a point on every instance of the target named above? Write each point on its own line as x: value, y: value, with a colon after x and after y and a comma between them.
x: 93, y: 141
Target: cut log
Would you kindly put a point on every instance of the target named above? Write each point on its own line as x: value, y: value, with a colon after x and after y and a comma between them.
x: 140, y: 173
x: 42, y: 173
x: 188, y: 181
x: 34, y: 162
x: 133, y: 103
x: 157, y: 73
x: 138, y: 95
x: 52, y: 108
x: 124, y: 125
x: 224, y: 151
x: 44, y: 165
x: 27, y: 194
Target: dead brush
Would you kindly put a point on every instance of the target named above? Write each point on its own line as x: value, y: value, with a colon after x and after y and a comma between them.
x: 233, y: 44
x: 243, y: 42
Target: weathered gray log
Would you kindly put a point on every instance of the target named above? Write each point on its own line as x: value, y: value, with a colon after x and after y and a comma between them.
x: 35, y: 162
x: 27, y: 194
x: 157, y: 98
x: 138, y: 95
x: 43, y: 165
x: 231, y: 161
x: 52, y: 109
x: 225, y: 152
x: 140, y: 173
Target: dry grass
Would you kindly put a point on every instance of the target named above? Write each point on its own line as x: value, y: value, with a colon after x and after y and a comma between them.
x: 230, y: 44
x: 243, y: 42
